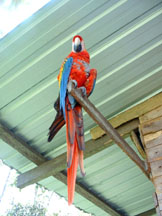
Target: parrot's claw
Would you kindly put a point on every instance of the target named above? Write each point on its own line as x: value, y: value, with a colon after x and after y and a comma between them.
x: 69, y: 85
x: 75, y: 83
x: 83, y: 173
x: 83, y: 90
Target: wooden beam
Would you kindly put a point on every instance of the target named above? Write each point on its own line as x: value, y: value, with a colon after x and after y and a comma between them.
x: 153, y: 114
x: 106, y: 126
x: 22, y: 147
x: 148, y: 213
x: 153, y: 139
x: 155, y: 153
x: 130, y: 114
x: 58, y: 164
x: 156, y: 168
x: 48, y: 168
x: 94, y: 146
x: 151, y: 126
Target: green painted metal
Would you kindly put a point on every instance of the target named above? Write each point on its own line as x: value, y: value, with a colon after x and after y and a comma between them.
x: 124, y: 39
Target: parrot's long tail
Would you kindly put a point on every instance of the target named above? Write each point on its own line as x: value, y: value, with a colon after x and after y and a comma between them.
x: 75, y: 146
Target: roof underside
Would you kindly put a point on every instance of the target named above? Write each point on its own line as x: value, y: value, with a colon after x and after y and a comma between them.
x: 124, y: 39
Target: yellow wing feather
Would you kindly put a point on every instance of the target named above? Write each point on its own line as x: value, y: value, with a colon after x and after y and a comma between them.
x: 61, y: 71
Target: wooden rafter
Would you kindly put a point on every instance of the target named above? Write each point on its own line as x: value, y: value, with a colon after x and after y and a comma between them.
x: 148, y: 213
x: 22, y: 147
x: 38, y: 159
x: 58, y: 164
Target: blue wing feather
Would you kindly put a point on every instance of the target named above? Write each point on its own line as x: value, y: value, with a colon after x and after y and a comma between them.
x: 64, y: 82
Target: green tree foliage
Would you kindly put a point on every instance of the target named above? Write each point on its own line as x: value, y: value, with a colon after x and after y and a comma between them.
x: 27, y: 210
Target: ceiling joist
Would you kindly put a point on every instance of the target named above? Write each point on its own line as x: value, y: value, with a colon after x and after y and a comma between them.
x: 22, y: 147
x: 59, y: 163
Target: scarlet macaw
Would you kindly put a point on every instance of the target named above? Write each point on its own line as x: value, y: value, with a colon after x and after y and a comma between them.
x: 75, y: 68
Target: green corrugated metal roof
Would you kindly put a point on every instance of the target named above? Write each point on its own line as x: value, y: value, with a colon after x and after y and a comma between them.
x: 124, y: 39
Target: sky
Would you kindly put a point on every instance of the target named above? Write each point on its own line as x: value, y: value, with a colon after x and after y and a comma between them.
x: 26, y: 196
x: 11, y: 16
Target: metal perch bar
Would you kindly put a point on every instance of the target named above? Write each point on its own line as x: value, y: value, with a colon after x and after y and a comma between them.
x: 106, y: 126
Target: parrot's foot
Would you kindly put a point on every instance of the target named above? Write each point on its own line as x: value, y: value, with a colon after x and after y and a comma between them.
x: 83, y: 173
x: 75, y: 83
x: 83, y: 90
x: 69, y: 86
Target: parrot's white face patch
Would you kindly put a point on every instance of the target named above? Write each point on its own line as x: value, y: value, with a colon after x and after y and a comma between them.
x: 77, y: 41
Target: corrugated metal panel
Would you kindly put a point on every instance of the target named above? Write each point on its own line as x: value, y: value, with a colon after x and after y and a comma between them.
x: 124, y: 39
x: 116, y: 178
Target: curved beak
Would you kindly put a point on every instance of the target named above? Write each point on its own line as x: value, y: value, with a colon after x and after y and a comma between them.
x: 77, y: 45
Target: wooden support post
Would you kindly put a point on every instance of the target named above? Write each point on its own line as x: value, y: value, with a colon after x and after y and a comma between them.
x: 151, y: 132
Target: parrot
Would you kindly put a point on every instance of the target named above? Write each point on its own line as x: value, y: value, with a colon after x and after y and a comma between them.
x: 75, y: 68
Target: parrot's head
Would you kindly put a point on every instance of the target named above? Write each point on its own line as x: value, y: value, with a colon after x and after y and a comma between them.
x: 78, y: 44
